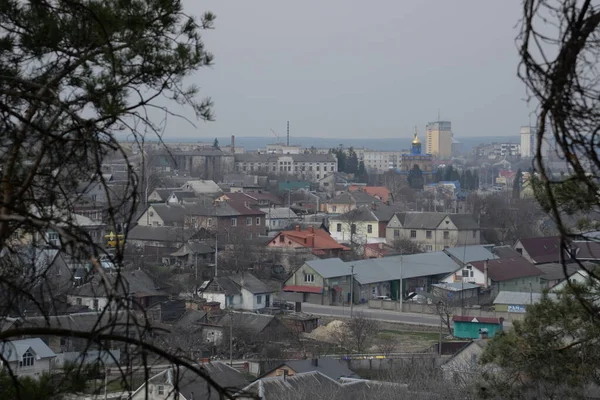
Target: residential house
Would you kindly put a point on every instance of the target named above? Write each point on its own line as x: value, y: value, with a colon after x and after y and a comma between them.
x: 544, y: 250
x: 554, y: 273
x: 253, y: 199
x: 163, y: 215
x: 463, y: 367
x: 476, y: 327
x: 316, y: 385
x: 580, y: 276
x: 239, y: 292
x: 359, y: 225
x: 279, y: 218
x: 329, y: 182
x: 135, y: 285
x: 330, y: 367
x: 516, y: 302
x: 228, y: 219
x: 158, y: 236
x: 193, y: 253
x: 318, y: 241
x: 161, y: 195
x: 181, y: 196
x: 378, y: 250
x: 348, y: 201
x: 202, y: 187
x: 257, y: 328
x: 466, y: 254
x: 434, y: 231
x: 183, y: 384
x: 508, y: 274
x: 330, y: 281
x: 379, y: 192
x: 27, y: 357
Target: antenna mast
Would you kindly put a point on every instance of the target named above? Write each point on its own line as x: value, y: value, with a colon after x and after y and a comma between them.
x: 288, y: 133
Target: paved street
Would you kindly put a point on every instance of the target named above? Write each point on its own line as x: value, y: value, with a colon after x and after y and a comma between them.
x: 381, y: 315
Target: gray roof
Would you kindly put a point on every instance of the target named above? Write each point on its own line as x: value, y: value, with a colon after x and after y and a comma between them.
x: 505, y: 251
x: 84, y: 322
x: 13, y: 350
x: 279, y: 213
x: 193, y: 248
x: 255, y: 323
x: 520, y: 298
x: 455, y: 286
x: 431, y: 220
x: 471, y: 253
x: 250, y: 283
x: 250, y: 157
x: 330, y: 267
x: 331, y: 367
x: 387, y: 268
x: 363, y: 213
x: 358, y: 197
x: 555, y: 271
x: 191, y: 317
x: 229, y: 287
x: 170, y: 213
x: 192, y: 386
x: 135, y: 282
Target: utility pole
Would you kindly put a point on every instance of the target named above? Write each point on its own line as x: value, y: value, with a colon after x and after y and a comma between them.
x: 401, y: 291
x: 217, y: 254
x: 440, y: 343
x: 351, y: 290
x: 230, y: 338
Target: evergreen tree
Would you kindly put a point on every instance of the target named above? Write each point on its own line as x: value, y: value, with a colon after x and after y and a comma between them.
x: 448, y: 171
x: 439, y: 175
x: 216, y: 144
x: 352, y: 162
x: 469, y: 181
x: 516, y: 189
x: 415, y: 178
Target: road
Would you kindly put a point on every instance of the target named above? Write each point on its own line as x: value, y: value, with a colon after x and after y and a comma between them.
x: 380, y: 315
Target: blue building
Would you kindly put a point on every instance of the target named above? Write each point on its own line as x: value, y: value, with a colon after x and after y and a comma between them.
x: 476, y: 327
x: 416, y: 157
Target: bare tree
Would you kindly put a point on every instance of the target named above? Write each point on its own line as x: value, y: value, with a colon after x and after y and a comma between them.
x: 357, y: 333
x: 407, y: 246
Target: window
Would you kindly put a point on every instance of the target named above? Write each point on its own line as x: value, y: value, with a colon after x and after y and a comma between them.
x: 338, y: 227
x: 233, y: 221
x: 281, y: 238
x: 248, y: 221
x: 446, y: 235
x: 413, y: 234
x: 257, y: 221
x: 209, y: 222
x: 428, y: 234
x: 353, y: 229
x: 334, y: 208
x: 428, y: 247
x: 78, y: 301
x: 27, y: 360
x: 309, y: 277
x: 369, y: 228
x: 95, y: 306
x: 161, y: 389
x: 396, y: 233
x: 258, y: 299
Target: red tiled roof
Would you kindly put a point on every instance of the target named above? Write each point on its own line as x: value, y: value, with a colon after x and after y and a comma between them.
x: 504, y: 269
x: 322, y: 239
x: 302, y: 289
x: 483, y: 320
x: 378, y: 191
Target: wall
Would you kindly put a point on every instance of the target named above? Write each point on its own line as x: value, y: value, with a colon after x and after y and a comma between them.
x: 249, y: 300
x: 410, y: 307
x: 362, y: 231
x: 38, y: 367
x: 335, y: 208
x: 470, y: 330
x: 298, y: 278
x: 525, y: 284
x: 150, y: 220
x: 220, y: 298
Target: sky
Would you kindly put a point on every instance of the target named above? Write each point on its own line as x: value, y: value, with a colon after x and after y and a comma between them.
x: 357, y: 69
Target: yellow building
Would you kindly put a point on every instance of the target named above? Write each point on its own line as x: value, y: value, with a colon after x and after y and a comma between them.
x: 438, y: 139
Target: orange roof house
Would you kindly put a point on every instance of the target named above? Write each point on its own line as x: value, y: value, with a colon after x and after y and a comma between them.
x: 321, y: 243
x: 381, y: 192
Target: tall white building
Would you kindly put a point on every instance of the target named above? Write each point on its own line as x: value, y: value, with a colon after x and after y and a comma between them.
x: 527, y: 141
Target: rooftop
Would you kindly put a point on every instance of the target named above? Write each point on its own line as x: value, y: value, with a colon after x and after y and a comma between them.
x: 504, y: 269
x: 303, y: 237
x: 14, y: 350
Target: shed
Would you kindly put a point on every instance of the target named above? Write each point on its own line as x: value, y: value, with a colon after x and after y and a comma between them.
x: 476, y: 327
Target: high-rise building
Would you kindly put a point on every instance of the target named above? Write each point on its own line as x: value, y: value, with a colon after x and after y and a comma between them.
x: 438, y: 139
x: 528, y: 141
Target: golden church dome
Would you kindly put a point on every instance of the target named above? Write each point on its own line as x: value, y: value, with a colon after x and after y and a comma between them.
x: 416, y: 139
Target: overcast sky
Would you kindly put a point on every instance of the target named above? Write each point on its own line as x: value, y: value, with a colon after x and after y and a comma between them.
x: 349, y: 68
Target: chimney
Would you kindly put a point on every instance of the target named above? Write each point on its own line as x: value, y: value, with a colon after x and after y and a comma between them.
x: 315, y: 362
x: 311, y: 241
x: 297, y: 228
x: 233, y: 144
x: 485, y: 273
x: 311, y: 229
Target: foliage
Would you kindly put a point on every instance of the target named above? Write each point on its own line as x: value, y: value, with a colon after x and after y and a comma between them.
x: 216, y: 144
x: 357, y: 333
x: 415, y: 178
x: 551, y: 351
x: 348, y: 161
x: 516, y: 189
x: 407, y: 246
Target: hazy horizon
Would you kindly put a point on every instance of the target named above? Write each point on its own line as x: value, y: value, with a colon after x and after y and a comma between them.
x: 344, y: 69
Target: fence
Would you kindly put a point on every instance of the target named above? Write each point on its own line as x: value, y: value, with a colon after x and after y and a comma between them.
x: 411, y: 307
x: 91, y: 357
